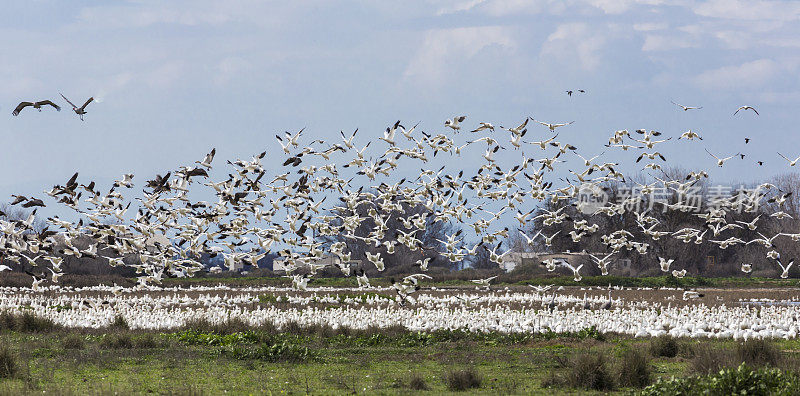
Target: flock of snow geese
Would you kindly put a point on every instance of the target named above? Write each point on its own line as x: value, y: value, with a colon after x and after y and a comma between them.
x: 259, y: 208
x: 506, y: 311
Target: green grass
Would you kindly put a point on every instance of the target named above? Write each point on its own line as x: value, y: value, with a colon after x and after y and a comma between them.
x: 320, y: 360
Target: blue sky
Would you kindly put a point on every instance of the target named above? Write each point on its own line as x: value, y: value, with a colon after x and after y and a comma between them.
x: 174, y: 79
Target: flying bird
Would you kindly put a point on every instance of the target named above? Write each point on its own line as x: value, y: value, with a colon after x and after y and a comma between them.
x: 791, y: 162
x: 746, y: 108
x: 721, y: 161
x: 686, y: 108
x: 36, y: 105
x: 80, y: 111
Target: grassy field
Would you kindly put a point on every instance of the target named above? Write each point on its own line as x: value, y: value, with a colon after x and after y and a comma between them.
x: 37, y: 357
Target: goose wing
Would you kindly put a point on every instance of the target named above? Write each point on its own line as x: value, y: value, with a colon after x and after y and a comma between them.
x: 48, y: 102
x: 86, y: 103
x: 21, y: 106
x: 70, y: 103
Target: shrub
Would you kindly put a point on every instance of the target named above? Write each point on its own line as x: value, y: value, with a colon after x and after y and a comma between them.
x: 146, y: 341
x: 634, y: 369
x: 30, y: 323
x: 461, y: 380
x: 292, y: 327
x: 758, y: 353
x: 73, y: 341
x: 26, y: 322
x: 8, y: 362
x: 417, y: 382
x: 710, y: 360
x: 664, y: 346
x: 119, y: 323
x: 8, y: 321
x: 117, y: 341
x: 590, y: 371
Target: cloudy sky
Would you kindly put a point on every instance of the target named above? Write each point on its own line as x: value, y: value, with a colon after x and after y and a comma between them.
x: 174, y: 79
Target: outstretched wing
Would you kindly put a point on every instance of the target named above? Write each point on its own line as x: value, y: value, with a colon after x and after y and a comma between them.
x: 21, y: 106
x: 49, y: 102
x: 70, y: 103
x: 87, y: 103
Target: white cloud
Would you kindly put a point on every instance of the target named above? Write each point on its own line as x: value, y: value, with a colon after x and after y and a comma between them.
x: 750, y: 9
x: 649, y: 26
x: 165, y: 74
x: 612, y: 6
x: 110, y: 85
x: 529, y: 7
x: 446, y: 48
x: 656, y: 42
x: 735, y: 39
x: 750, y: 75
x: 148, y: 13
x: 575, y: 40
x: 458, y: 6
x: 229, y: 68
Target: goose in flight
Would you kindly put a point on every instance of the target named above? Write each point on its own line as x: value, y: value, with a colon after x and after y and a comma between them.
x: 721, y: 161
x: 529, y: 240
x: 552, y: 127
x: 791, y: 162
x: 785, y: 273
x: 349, y: 141
x: 664, y: 263
x: 207, y: 160
x: 576, y: 271
x: 455, y: 122
x: 127, y: 181
x: 602, y: 262
x: 686, y: 108
x: 484, y: 125
x: 36, y: 105
x: 541, y: 289
x: 483, y: 282
x: 746, y: 108
x: 690, y: 135
x: 80, y: 111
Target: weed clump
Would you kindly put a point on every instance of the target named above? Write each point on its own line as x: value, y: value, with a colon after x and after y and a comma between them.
x: 26, y: 322
x: 117, y: 341
x: 119, y: 323
x: 73, y: 341
x: 758, y: 353
x: 710, y: 360
x: 8, y: 362
x: 461, y: 380
x: 664, y: 346
x: 146, y: 341
x: 590, y: 371
x: 414, y: 381
x: 634, y: 369
x: 417, y: 382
